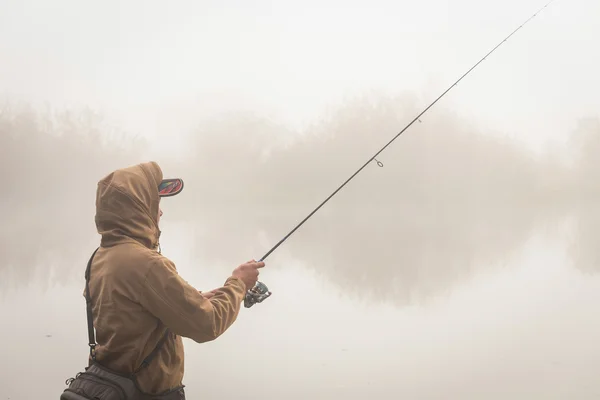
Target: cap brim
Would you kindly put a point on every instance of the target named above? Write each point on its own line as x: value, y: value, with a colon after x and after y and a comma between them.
x: 170, y: 187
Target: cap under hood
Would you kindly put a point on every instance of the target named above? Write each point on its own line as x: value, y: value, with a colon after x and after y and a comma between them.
x: 127, y: 205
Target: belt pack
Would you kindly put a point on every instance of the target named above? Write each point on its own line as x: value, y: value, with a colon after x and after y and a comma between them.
x: 100, y: 383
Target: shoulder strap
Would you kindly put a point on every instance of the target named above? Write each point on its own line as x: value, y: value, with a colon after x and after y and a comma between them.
x: 90, y: 323
x: 90, y: 317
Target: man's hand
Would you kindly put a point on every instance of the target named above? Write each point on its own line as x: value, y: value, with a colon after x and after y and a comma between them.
x: 248, y: 272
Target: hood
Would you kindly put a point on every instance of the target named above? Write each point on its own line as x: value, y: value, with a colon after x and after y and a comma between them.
x: 127, y: 204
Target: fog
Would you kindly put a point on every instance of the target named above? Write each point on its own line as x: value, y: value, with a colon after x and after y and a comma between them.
x: 465, y: 267
x: 448, y: 198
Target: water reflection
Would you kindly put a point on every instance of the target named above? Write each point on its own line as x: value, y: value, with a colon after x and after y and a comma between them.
x: 522, y: 332
x: 584, y: 248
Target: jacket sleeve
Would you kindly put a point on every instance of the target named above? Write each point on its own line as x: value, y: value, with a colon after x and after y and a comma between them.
x: 183, y: 309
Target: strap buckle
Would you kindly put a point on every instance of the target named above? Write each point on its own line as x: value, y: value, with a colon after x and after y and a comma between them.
x: 93, y: 351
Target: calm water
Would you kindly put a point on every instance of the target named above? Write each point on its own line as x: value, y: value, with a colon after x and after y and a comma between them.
x: 519, y: 327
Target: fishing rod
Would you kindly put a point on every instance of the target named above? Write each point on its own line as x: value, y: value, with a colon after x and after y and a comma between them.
x: 260, y: 291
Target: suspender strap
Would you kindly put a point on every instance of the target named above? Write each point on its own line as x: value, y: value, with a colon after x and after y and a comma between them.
x: 90, y: 317
x: 90, y: 323
x: 154, y: 352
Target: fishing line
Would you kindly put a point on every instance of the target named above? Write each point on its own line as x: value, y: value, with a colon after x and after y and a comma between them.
x: 417, y: 118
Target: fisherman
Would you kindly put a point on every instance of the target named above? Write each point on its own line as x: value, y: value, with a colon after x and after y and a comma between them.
x: 141, y: 307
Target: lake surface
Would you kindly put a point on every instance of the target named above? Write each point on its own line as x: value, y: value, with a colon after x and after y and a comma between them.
x: 524, y: 326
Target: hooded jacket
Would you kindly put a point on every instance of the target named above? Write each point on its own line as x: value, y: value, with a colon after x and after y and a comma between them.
x: 137, y: 293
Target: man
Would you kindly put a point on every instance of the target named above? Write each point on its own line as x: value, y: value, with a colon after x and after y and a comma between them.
x: 137, y: 293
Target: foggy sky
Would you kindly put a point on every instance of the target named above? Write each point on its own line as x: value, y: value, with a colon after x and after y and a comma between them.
x: 154, y: 69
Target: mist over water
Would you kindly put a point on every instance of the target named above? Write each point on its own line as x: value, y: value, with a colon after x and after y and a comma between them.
x: 464, y: 268
x: 451, y: 206
x: 449, y: 199
x: 52, y: 164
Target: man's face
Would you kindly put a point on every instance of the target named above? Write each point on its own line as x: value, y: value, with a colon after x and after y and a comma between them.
x: 160, y: 213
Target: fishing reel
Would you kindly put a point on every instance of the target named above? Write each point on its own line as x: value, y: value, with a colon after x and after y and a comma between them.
x: 259, y: 293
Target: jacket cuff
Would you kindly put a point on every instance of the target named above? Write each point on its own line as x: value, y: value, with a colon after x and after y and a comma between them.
x: 238, y: 282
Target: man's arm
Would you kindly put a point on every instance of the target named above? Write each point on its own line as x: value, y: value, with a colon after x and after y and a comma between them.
x: 185, y: 310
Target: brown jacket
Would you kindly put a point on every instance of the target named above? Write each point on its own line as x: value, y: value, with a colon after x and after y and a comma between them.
x: 136, y: 292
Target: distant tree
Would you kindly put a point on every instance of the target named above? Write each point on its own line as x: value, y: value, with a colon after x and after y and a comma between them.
x: 51, y: 164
